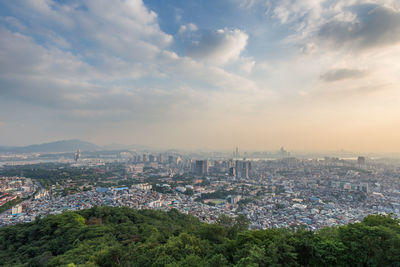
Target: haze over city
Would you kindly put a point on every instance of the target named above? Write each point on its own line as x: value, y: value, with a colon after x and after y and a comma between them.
x: 258, y: 74
x: 201, y: 133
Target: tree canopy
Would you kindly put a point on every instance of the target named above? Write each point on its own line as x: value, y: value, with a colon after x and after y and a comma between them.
x: 107, y: 236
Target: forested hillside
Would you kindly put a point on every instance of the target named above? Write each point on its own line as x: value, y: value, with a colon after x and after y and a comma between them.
x: 106, y: 236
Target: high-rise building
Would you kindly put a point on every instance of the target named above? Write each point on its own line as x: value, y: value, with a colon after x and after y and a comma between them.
x: 144, y: 158
x: 245, y: 169
x: 232, y: 171
x: 16, y: 209
x: 152, y: 158
x: 235, y: 199
x: 238, y: 168
x: 361, y: 160
x: 77, y: 155
x: 242, y: 169
x: 201, y: 167
x: 161, y: 158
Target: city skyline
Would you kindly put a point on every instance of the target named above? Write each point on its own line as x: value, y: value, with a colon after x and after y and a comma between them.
x: 257, y: 74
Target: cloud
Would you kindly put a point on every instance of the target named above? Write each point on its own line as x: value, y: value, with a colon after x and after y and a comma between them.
x: 342, y: 74
x: 344, y: 37
x: 373, y: 26
x: 289, y: 11
x: 246, y: 3
x: 187, y: 27
x: 105, y: 68
x: 22, y: 57
x: 125, y: 29
x: 247, y: 64
x: 13, y: 23
x: 98, y: 66
x: 59, y: 81
x: 219, y: 46
x: 355, y: 24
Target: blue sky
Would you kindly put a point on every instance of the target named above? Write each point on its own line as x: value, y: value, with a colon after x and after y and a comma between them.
x: 202, y: 74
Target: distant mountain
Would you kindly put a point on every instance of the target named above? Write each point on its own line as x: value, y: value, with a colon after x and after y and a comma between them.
x: 58, y: 146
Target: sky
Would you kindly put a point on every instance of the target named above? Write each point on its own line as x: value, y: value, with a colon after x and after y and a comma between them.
x: 310, y: 75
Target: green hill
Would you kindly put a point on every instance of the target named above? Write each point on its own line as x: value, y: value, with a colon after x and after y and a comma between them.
x: 106, y: 236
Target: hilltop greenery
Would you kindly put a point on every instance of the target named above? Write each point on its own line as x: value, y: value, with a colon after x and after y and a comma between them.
x: 106, y: 236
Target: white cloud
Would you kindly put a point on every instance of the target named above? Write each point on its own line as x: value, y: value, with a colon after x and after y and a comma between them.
x: 337, y: 40
x: 220, y: 46
x: 101, y: 66
x: 372, y: 26
x: 288, y: 11
x: 22, y: 57
x: 92, y: 70
x: 187, y: 27
x: 247, y: 64
x: 359, y: 23
x: 122, y: 28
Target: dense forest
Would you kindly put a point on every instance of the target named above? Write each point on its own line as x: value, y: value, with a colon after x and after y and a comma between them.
x: 106, y: 236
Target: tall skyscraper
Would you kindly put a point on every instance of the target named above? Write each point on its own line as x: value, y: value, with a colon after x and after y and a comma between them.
x: 232, y: 171
x: 152, y: 158
x: 201, y: 167
x: 242, y: 169
x: 77, y: 155
x: 238, y: 168
x: 245, y: 169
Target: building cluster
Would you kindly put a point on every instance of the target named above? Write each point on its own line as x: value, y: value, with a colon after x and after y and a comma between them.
x: 13, y: 187
x: 283, y: 192
x: 137, y: 197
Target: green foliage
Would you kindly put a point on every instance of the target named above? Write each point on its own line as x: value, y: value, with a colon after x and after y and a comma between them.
x: 106, y: 236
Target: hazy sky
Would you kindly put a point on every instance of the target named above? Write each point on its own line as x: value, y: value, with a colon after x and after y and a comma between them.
x: 305, y: 74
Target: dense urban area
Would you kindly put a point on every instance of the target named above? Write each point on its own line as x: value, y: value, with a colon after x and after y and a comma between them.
x: 272, y: 191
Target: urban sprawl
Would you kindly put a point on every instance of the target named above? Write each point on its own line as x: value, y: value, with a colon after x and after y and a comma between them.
x: 282, y: 191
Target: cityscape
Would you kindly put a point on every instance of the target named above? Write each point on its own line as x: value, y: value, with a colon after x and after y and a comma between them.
x: 208, y: 133
x: 280, y: 191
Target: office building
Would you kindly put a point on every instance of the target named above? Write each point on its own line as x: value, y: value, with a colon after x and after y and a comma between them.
x: 201, y: 167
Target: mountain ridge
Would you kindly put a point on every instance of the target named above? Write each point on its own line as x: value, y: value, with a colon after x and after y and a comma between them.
x: 56, y: 146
